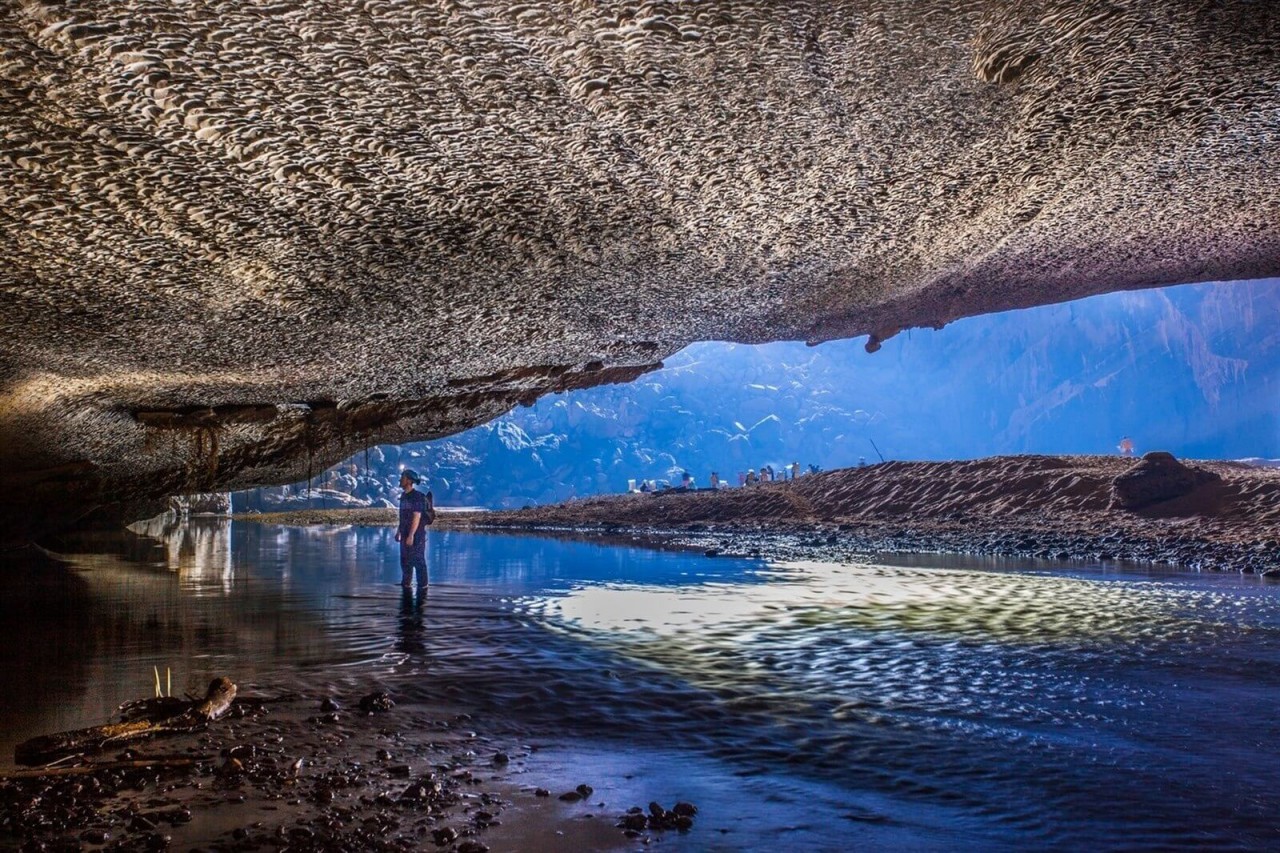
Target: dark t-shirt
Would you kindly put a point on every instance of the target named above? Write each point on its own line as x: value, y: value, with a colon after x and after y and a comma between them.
x: 411, y: 502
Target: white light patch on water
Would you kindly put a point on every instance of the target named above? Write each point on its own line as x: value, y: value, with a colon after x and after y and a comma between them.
x: 670, y: 611
x: 931, y: 648
x: 810, y: 595
x: 658, y: 611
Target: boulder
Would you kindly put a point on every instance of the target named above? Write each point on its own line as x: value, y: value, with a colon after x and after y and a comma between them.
x: 1157, y: 477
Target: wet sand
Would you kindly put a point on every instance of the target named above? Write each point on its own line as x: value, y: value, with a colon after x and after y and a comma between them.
x: 1032, y: 507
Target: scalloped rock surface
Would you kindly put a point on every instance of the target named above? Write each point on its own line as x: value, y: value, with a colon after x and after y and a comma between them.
x: 243, y: 239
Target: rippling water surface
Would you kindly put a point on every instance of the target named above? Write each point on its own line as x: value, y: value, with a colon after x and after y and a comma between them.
x: 838, y: 706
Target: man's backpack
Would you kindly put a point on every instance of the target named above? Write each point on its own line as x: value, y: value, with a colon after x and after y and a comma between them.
x: 430, y: 514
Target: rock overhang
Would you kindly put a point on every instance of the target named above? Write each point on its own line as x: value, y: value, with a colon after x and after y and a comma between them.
x: 243, y: 240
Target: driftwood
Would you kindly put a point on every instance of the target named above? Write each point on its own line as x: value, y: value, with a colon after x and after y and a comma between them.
x: 42, y: 750
x: 159, y: 708
x: 163, y: 707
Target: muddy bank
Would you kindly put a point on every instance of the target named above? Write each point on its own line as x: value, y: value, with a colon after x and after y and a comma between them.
x: 308, y: 773
x: 299, y: 761
x: 1047, y: 507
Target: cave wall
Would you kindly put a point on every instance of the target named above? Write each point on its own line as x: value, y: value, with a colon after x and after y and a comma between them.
x: 242, y: 240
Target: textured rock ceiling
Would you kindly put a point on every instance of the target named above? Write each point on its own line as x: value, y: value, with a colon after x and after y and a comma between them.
x: 242, y: 238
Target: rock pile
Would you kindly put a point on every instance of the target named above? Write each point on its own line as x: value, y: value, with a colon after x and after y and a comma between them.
x: 678, y: 817
x: 1157, y: 478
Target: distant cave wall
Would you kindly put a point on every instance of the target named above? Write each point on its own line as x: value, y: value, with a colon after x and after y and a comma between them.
x: 324, y: 211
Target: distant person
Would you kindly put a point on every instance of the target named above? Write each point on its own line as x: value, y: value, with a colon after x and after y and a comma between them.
x: 715, y: 480
x: 686, y: 480
x: 644, y: 486
x: 1126, y: 446
x: 417, y: 510
x: 752, y: 478
x: 742, y: 479
x: 813, y: 469
x: 795, y: 470
x: 862, y: 462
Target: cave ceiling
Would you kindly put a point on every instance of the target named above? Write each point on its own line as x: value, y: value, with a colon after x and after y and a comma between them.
x: 243, y: 239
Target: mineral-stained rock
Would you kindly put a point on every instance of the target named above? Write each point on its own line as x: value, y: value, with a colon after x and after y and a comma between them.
x: 1157, y: 477
x: 240, y: 241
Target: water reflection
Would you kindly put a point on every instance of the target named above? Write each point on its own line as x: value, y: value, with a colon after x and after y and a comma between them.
x: 86, y: 627
x: 199, y: 551
x: 411, y: 633
x: 46, y: 648
x: 1009, y: 699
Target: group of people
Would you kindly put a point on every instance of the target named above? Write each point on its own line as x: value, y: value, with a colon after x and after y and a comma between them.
x: 686, y: 483
x: 768, y: 474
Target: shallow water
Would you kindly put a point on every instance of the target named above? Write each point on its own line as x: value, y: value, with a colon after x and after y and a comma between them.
x: 817, y: 705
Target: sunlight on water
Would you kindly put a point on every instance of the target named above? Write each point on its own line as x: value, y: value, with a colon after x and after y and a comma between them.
x: 1010, y: 608
x: 904, y: 640
x: 960, y: 684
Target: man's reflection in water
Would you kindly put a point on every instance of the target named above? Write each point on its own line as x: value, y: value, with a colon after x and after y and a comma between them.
x: 412, y: 633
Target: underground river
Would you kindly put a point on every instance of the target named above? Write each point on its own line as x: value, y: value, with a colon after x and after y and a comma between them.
x: 920, y: 703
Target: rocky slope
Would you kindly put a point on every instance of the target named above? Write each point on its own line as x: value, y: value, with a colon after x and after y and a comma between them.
x: 242, y: 241
x: 1224, y: 516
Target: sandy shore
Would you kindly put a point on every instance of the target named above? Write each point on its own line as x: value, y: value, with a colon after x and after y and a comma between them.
x: 1046, y: 507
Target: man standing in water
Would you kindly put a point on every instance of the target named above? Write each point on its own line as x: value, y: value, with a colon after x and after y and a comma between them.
x: 415, y: 514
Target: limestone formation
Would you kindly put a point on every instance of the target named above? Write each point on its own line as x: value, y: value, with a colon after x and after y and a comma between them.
x: 211, y: 503
x: 240, y: 240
